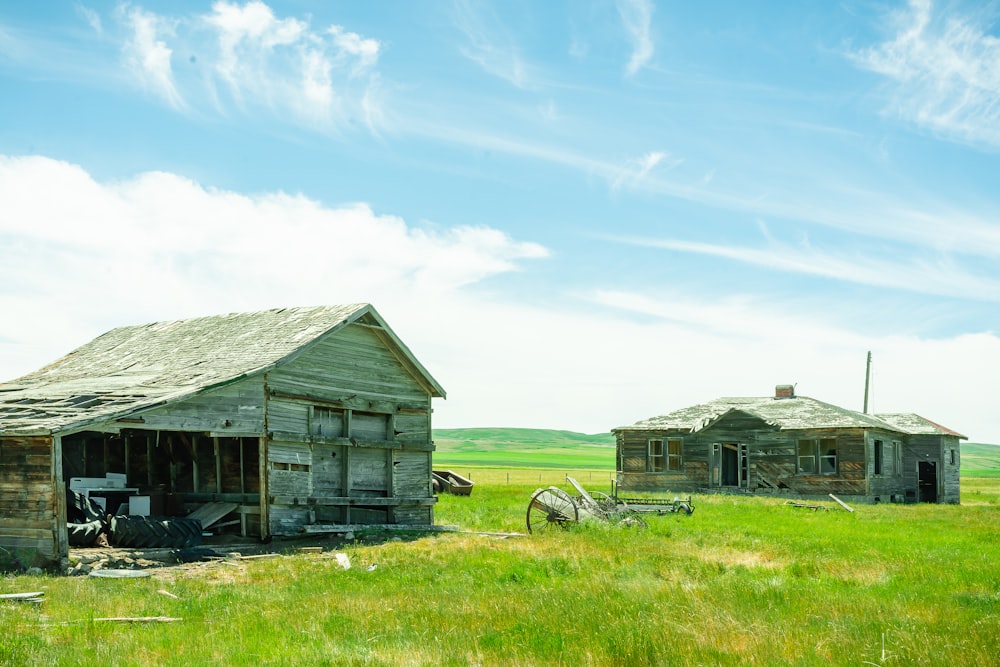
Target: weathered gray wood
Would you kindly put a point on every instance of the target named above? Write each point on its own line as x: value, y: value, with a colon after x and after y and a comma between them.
x: 210, y: 513
x: 841, y: 503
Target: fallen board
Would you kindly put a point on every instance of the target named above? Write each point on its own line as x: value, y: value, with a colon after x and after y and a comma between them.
x: 210, y: 513
x: 119, y: 574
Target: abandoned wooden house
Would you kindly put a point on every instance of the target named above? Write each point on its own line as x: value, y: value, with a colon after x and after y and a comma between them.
x: 294, y: 418
x: 794, y: 445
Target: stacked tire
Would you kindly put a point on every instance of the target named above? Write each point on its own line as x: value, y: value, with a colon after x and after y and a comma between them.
x: 85, y: 520
x: 152, y: 532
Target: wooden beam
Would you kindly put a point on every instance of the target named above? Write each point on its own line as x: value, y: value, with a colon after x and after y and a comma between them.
x: 842, y: 503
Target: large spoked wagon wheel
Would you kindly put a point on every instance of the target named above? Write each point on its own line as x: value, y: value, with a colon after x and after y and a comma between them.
x: 550, y: 507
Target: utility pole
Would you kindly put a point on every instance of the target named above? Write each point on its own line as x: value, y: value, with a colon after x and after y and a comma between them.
x: 868, y: 378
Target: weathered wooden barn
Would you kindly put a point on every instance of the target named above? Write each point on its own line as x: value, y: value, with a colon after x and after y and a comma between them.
x: 298, y: 417
x: 794, y: 445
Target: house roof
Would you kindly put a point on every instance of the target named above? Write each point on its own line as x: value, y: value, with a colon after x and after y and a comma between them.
x: 139, y: 367
x: 794, y: 413
x: 916, y: 425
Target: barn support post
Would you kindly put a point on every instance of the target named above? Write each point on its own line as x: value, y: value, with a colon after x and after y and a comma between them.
x: 61, y: 535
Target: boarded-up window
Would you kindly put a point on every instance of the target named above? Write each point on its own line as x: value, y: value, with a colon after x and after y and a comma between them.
x: 674, y: 458
x: 369, y: 426
x: 897, y: 458
x: 327, y: 422
x: 654, y: 459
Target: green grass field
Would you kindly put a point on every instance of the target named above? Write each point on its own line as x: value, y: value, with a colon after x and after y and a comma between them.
x: 980, y: 460
x: 742, y: 581
x: 523, y: 448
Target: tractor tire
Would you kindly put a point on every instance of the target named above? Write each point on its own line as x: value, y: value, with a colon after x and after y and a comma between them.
x: 84, y: 534
x: 81, y: 509
x: 150, y: 532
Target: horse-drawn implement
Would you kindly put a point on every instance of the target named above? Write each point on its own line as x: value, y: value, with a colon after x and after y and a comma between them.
x: 553, y: 507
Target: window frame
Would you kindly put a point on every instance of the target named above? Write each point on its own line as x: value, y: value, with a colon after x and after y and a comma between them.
x: 655, y: 462
x: 823, y: 453
x: 675, y: 459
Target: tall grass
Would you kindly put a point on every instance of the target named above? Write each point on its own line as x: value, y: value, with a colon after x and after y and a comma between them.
x: 743, y: 581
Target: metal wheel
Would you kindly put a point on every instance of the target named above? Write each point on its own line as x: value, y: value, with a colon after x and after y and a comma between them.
x: 550, y: 507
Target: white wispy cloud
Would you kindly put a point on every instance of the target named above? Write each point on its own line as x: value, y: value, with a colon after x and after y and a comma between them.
x: 939, y: 275
x: 146, y: 55
x: 943, y: 70
x: 637, y: 15
x: 636, y: 170
x: 490, y: 45
x: 244, y: 57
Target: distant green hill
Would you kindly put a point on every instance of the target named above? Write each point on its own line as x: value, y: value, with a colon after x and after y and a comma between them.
x: 979, y: 460
x: 523, y: 448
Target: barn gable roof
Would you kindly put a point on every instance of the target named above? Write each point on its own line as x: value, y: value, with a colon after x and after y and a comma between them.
x: 139, y: 367
x: 791, y: 413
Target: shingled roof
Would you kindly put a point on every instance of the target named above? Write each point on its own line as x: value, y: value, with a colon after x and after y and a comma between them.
x: 792, y: 413
x: 138, y: 367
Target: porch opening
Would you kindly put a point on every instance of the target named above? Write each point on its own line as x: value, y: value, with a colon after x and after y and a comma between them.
x: 168, y: 474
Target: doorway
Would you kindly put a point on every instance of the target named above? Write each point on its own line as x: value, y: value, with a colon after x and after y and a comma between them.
x: 927, y: 481
x: 733, y: 467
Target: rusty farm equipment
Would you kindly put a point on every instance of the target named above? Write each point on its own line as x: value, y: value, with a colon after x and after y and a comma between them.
x: 553, y: 507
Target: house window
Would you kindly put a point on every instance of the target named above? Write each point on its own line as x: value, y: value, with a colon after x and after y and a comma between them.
x: 818, y: 456
x: 897, y: 458
x: 877, y: 448
x: 674, y: 458
x: 807, y: 456
x: 951, y: 456
x: 654, y: 457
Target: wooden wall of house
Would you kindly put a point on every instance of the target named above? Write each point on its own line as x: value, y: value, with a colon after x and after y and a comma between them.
x: 772, y: 460
x: 350, y: 431
x: 889, y: 485
x: 32, y: 504
x: 237, y: 408
x: 936, y: 449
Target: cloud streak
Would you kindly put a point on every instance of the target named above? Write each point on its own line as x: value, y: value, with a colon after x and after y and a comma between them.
x: 938, y: 276
x: 637, y: 16
x: 943, y: 74
x: 489, y: 45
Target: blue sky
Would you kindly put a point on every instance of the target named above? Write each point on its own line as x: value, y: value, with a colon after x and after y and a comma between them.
x: 577, y: 214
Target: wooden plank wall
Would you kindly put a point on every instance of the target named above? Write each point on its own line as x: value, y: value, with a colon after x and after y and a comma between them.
x: 889, y: 485
x: 772, y: 459
x: 237, y: 408
x: 30, y: 523
x: 952, y: 485
x: 933, y: 448
x: 351, y: 411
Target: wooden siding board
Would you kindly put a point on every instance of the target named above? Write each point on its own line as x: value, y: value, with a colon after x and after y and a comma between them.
x: 238, y: 407
x: 353, y: 362
x: 412, y: 473
x: 29, y: 503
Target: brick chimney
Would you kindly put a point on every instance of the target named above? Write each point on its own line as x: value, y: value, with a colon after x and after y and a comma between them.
x: 784, y: 391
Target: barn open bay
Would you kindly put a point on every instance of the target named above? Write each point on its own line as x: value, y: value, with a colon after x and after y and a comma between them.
x: 744, y: 580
